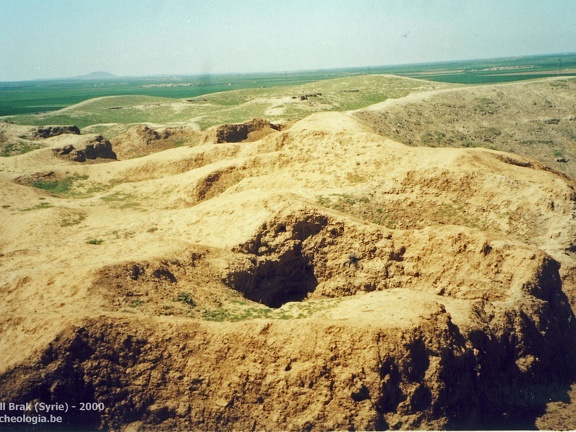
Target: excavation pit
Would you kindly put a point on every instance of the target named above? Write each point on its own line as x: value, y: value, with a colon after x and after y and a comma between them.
x: 275, y: 281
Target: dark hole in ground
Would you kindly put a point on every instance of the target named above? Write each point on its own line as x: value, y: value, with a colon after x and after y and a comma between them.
x: 276, y: 281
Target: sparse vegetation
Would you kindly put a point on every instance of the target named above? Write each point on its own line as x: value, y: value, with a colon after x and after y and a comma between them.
x: 243, y: 311
x: 122, y: 200
x: 489, y: 132
x: 95, y: 241
x: 235, y: 105
x: 186, y: 298
x: 486, y: 106
x: 18, y: 148
x: 359, y: 206
x: 59, y: 187
x: 73, y: 186
x: 468, y: 144
x: 179, y: 142
x: 433, y: 137
x: 530, y: 120
x: 250, y: 313
x: 128, y: 234
x: 42, y: 205
x: 72, y: 219
x: 355, y: 177
x: 216, y: 315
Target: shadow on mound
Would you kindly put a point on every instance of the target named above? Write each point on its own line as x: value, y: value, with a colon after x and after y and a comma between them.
x: 56, y: 378
x: 522, y: 366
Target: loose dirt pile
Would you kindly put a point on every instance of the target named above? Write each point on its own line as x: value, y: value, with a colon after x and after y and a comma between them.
x: 318, y: 277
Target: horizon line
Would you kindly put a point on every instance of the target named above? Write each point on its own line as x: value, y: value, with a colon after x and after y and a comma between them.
x: 328, y: 69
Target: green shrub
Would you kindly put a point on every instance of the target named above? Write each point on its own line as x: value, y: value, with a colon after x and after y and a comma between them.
x: 185, y: 297
x: 95, y: 241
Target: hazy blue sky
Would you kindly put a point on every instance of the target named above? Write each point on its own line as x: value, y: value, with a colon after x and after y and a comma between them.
x: 61, y: 38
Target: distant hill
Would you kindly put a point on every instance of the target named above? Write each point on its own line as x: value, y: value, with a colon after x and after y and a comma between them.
x: 98, y: 75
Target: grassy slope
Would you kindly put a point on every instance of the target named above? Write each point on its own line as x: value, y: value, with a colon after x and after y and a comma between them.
x: 234, y: 106
x: 534, y: 119
x: 516, y: 117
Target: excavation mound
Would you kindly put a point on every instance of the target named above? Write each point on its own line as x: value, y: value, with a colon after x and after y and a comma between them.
x: 320, y: 276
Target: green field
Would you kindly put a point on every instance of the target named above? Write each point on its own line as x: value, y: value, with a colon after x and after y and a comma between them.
x: 111, y: 115
x: 27, y: 102
x: 40, y: 96
x: 492, y: 71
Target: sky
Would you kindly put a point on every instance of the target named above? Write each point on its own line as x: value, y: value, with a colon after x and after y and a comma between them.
x: 43, y: 39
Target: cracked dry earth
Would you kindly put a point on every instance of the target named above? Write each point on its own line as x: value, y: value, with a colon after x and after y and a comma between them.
x: 319, y: 277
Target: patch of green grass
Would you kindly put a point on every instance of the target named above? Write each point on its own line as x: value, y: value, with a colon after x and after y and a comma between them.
x: 122, y: 200
x: 433, y: 137
x: 59, y: 187
x: 181, y: 142
x: 244, y: 314
x: 298, y: 310
x: 72, y: 218
x: 218, y: 315
x: 240, y: 301
x: 186, y: 298
x: 486, y: 105
x: 42, y: 205
x: 235, y: 103
x: 359, y: 206
x: 19, y: 147
x: 95, y: 241
x: 455, y: 214
x: 73, y: 186
x: 342, y: 201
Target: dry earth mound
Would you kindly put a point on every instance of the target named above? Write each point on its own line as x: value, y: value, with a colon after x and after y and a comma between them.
x: 17, y: 139
x: 535, y: 119
x: 252, y: 130
x: 320, y: 277
x: 94, y: 148
x: 51, y: 131
x: 142, y: 140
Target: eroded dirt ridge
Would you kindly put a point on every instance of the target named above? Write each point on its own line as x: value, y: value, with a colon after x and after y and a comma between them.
x: 314, y: 277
